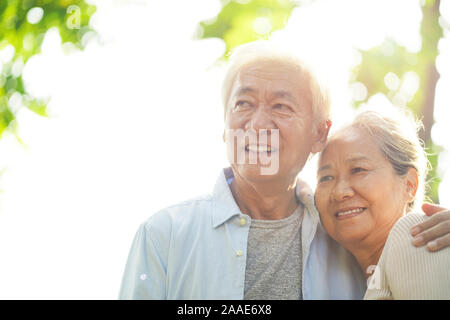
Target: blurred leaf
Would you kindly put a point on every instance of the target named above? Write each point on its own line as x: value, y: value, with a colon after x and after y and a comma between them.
x: 245, y: 21
x: 26, y: 37
x: 433, y: 180
x: 394, y: 61
x: 38, y: 106
x: 6, y: 116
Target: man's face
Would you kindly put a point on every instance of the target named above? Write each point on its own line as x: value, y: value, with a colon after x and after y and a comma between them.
x: 268, y: 96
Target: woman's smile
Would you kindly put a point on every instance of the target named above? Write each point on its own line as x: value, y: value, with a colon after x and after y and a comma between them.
x: 348, y: 213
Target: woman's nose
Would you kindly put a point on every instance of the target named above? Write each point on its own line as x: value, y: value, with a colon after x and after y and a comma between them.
x: 343, y: 190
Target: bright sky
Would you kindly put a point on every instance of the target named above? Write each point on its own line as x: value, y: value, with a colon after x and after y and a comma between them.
x: 136, y: 125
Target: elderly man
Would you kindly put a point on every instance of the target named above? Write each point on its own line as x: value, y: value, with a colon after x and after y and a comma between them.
x: 250, y: 238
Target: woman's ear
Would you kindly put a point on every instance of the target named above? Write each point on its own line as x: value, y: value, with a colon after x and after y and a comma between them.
x: 320, y: 135
x: 412, y: 182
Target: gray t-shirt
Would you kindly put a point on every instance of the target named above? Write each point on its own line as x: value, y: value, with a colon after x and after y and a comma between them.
x: 274, y: 259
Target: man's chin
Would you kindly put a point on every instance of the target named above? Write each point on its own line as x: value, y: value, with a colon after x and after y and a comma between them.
x: 256, y: 172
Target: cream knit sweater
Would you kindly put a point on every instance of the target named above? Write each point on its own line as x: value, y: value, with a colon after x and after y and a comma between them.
x: 406, y: 272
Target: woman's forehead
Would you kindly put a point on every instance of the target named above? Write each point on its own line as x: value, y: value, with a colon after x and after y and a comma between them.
x: 350, y: 144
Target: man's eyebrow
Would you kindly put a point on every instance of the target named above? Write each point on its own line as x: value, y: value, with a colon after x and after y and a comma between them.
x: 284, y: 94
x: 245, y: 90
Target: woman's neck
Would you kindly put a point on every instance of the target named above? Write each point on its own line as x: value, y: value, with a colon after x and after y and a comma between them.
x: 368, y: 256
x: 368, y: 250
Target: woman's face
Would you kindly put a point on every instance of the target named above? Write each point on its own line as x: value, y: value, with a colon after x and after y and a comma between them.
x: 359, y: 195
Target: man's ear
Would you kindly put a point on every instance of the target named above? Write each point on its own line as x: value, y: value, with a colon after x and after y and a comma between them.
x: 412, y: 183
x: 320, y: 135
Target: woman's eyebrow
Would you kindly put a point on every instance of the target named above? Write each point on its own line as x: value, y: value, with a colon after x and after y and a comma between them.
x: 325, y: 167
x: 356, y: 159
x: 353, y: 159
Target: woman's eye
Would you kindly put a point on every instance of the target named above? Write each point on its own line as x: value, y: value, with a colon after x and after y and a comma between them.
x: 325, y: 178
x: 358, y: 169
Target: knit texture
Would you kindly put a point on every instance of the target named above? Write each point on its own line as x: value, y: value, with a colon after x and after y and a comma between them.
x: 409, y: 273
x: 274, y: 259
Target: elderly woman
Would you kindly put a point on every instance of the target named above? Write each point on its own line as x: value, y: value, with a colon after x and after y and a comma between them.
x: 370, y: 178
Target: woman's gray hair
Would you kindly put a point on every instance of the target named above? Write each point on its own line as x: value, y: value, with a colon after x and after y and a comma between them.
x: 396, y: 133
x: 263, y: 51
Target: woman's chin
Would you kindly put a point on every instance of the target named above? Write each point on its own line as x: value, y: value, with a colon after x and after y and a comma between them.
x: 349, y: 235
x: 349, y: 238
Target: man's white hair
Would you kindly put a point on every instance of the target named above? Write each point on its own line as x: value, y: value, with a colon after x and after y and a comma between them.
x: 263, y: 51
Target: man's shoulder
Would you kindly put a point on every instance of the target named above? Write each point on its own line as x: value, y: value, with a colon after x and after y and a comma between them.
x: 183, y: 212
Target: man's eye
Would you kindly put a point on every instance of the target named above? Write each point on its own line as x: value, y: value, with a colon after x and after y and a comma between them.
x: 242, y: 105
x: 325, y: 178
x: 282, y: 108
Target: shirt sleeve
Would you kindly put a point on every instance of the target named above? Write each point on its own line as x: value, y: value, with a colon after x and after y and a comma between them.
x: 145, y: 271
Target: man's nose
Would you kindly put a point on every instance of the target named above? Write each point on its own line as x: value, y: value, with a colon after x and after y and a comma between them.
x: 261, y: 118
x: 342, y: 190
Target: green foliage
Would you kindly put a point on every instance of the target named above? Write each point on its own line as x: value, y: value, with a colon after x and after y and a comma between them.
x: 377, y: 62
x: 246, y: 21
x: 433, y: 180
x: 19, y: 31
x: 394, y: 61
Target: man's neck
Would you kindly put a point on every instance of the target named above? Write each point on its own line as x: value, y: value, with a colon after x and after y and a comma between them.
x: 266, y: 200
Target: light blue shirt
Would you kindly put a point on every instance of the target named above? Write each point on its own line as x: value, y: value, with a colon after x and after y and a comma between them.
x: 197, y: 249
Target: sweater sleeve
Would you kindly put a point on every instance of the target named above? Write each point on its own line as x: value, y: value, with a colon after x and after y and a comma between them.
x: 406, y: 272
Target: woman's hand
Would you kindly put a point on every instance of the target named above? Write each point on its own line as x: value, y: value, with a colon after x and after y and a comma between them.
x: 435, y: 231
x: 302, y: 190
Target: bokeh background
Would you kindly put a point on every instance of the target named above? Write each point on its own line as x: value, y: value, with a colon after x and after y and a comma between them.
x: 111, y: 110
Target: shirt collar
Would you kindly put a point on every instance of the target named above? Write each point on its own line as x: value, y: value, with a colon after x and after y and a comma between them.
x: 224, y: 205
x: 305, y: 195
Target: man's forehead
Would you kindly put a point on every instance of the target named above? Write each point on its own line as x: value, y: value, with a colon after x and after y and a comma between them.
x: 283, y: 82
x: 270, y: 71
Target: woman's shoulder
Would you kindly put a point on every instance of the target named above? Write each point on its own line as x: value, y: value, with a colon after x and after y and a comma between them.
x: 399, y: 245
x: 414, y: 272
x: 399, y: 241
x: 402, y: 227
x: 410, y: 219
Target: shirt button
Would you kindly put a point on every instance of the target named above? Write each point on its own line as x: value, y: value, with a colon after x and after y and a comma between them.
x: 239, y: 253
x: 243, y: 221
